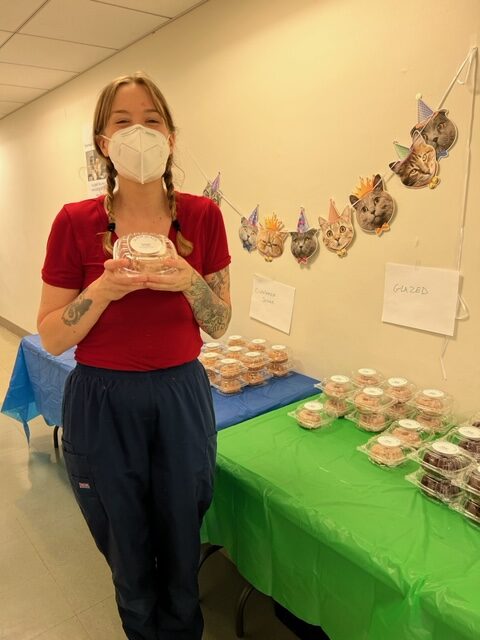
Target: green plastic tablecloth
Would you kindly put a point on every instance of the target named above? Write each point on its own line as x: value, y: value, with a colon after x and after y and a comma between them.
x: 339, y: 541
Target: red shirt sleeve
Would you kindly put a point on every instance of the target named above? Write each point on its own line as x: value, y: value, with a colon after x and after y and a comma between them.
x: 63, y: 262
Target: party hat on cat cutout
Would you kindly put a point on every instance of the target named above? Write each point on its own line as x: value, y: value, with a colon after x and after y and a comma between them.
x: 332, y: 212
x: 253, y: 217
x: 402, y: 151
x: 212, y: 190
x: 423, y: 110
x: 302, y: 225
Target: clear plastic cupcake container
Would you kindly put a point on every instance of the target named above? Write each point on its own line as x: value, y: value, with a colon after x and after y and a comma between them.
x: 216, y: 347
x: 385, y: 450
x: 210, y: 360
x: 371, y: 399
x: 367, y: 377
x: 467, y: 438
x: 437, y: 425
x: 236, y: 341
x: 311, y: 415
x: 336, y: 386
x: 470, y: 482
x: 468, y: 507
x: 443, y: 458
x: 257, y: 344
x: 335, y: 407
x: 230, y: 368
x: 400, y: 389
x: 255, y: 360
x: 434, y: 402
x: 369, y: 421
x: 399, y: 410
x: 280, y: 363
x: 410, y: 432
x: 145, y: 252
x: 229, y: 386
x: 436, y: 487
x: 236, y: 351
x: 256, y: 377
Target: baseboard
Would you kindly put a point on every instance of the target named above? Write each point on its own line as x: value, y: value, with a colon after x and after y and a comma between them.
x: 13, y: 328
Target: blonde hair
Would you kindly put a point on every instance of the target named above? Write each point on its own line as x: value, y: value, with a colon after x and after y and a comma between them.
x: 100, y: 120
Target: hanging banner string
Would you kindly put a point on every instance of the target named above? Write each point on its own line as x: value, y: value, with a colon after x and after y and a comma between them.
x: 472, y: 60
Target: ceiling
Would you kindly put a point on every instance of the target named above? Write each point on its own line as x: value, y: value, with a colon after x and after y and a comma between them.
x: 45, y: 43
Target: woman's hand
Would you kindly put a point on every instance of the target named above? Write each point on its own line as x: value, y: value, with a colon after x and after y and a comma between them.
x: 114, y: 284
x: 179, y: 280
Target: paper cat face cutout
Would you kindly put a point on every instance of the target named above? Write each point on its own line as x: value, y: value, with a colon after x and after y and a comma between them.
x: 212, y: 190
x: 419, y: 167
x: 271, y: 239
x: 436, y: 128
x: 338, y: 230
x: 304, y: 240
x: 374, y: 207
x: 248, y: 231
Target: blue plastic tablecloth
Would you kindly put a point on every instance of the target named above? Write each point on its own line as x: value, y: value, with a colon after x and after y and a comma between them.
x: 38, y: 378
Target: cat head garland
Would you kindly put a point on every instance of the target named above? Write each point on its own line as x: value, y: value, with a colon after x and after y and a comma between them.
x: 374, y: 207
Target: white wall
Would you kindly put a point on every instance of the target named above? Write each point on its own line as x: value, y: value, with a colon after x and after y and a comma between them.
x: 292, y: 102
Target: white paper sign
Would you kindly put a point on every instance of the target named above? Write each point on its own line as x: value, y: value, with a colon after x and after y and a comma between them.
x: 272, y: 303
x: 421, y: 297
x: 96, y: 170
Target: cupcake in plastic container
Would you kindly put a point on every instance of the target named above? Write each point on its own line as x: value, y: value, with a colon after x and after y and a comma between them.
x: 443, y: 458
x: 400, y: 389
x: 229, y: 376
x: 437, y: 425
x: 257, y: 344
x: 410, y: 432
x: 467, y: 438
x: 367, y: 377
x: 371, y: 399
x: 432, y: 402
x: 216, y: 347
x: 210, y: 360
x: 470, y: 482
x: 256, y: 377
x: 433, y: 486
x: 369, y: 421
x: 336, y: 386
x: 236, y: 341
x: 311, y: 415
x: 237, y: 352
x: 279, y: 356
x: 385, y: 450
x: 469, y: 507
x: 399, y: 410
x: 145, y: 252
x: 336, y: 407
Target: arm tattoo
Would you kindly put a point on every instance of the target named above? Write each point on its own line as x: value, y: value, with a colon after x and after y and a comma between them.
x: 76, y: 309
x: 211, y: 311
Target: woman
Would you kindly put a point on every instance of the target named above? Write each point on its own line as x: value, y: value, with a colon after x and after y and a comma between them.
x: 139, y: 435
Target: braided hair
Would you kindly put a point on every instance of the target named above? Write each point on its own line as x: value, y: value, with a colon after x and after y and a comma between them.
x: 101, y: 116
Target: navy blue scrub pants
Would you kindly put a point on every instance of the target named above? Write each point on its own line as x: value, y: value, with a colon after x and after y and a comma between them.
x: 139, y: 448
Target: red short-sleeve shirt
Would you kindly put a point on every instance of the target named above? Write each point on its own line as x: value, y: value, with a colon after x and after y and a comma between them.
x: 145, y: 329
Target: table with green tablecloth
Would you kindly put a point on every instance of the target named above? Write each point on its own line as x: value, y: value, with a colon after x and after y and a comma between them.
x: 339, y: 541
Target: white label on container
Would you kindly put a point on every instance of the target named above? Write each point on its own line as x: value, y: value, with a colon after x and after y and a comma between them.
x: 433, y: 393
x: 470, y: 432
x: 144, y: 243
x: 397, y: 382
x: 410, y: 424
x: 340, y: 379
x: 367, y: 372
x: 389, y: 441
x: 313, y: 406
x: 374, y: 392
x: 446, y: 448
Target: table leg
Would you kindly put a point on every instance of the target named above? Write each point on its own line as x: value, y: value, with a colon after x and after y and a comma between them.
x: 240, y: 608
x: 55, y: 436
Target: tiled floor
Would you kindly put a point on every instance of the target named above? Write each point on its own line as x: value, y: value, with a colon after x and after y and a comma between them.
x: 54, y: 585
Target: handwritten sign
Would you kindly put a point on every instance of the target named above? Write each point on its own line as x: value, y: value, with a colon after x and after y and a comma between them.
x: 421, y: 297
x: 272, y: 303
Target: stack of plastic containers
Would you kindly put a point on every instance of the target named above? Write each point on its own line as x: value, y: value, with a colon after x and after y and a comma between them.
x: 280, y: 363
x: 433, y: 410
x: 401, y: 391
x: 336, y: 389
x: 370, y: 405
x: 256, y: 364
x: 442, y: 464
x: 229, y: 376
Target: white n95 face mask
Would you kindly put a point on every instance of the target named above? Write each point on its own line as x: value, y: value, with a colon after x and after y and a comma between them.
x: 139, y: 153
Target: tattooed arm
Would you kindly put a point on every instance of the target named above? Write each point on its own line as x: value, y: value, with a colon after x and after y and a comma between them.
x: 66, y: 316
x: 209, y: 298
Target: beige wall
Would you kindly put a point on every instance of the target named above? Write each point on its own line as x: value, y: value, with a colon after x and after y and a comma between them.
x: 292, y: 101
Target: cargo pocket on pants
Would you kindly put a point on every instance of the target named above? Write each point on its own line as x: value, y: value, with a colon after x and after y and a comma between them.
x: 83, y: 485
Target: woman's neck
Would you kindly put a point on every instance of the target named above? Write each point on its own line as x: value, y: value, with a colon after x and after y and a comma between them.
x: 146, y: 201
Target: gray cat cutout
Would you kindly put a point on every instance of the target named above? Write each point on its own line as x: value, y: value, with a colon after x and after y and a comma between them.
x: 304, y: 244
x: 248, y: 231
x: 374, y: 207
x: 435, y: 128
